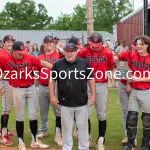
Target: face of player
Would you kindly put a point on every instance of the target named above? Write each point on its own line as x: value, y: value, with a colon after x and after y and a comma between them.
x: 17, y: 55
x: 95, y: 48
x: 141, y: 48
x: 49, y: 46
x: 8, y: 45
x: 70, y: 55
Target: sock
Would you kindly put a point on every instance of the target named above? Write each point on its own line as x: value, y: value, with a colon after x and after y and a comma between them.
x: 102, y: 128
x: 4, y: 121
x: 89, y: 127
x: 20, y: 140
x: 34, y: 129
x: 58, y: 126
x: 20, y: 130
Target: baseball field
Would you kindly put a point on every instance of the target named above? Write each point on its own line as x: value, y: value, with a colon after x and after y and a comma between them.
x: 114, y: 133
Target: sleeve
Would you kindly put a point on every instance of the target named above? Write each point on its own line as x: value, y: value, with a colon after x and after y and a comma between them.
x: 54, y: 72
x: 111, y: 63
x: 89, y: 72
x: 35, y: 62
x: 80, y: 54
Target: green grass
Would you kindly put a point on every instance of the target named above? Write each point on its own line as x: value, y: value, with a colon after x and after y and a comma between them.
x: 114, y: 133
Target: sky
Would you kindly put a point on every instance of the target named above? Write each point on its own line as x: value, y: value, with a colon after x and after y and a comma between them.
x: 56, y: 7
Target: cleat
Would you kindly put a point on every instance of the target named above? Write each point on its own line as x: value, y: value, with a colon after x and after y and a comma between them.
x: 58, y: 140
x: 42, y: 135
x: 39, y: 144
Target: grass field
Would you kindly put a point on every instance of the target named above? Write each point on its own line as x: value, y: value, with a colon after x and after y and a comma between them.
x: 114, y: 133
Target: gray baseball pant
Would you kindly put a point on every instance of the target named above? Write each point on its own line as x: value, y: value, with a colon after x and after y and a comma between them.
x: 7, y: 96
x: 124, y: 99
x: 101, y: 101
x: 67, y: 119
x: 44, y: 103
x: 23, y: 97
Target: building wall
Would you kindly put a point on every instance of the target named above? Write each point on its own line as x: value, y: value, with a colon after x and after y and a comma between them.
x: 130, y: 28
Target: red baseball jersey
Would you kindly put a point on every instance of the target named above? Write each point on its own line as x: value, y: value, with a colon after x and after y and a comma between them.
x: 101, y: 61
x: 4, y: 52
x: 139, y: 66
x: 124, y: 56
x: 21, y: 70
x: 44, y: 72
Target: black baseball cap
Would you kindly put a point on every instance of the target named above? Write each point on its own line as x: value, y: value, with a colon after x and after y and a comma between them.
x: 48, y: 38
x: 70, y: 46
x: 19, y: 47
x: 7, y: 38
x: 75, y: 41
x: 95, y: 39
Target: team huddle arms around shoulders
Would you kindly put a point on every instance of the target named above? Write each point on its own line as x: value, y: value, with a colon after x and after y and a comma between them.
x: 72, y: 79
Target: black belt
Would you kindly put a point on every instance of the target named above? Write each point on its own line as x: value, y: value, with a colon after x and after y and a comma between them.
x: 44, y: 84
x: 23, y: 86
x: 142, y: 89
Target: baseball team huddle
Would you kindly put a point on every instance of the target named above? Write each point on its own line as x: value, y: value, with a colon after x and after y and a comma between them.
x: 72, y: 95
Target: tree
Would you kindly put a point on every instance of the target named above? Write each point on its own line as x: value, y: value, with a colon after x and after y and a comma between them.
x: 106, y: 13
x: 24, y: 16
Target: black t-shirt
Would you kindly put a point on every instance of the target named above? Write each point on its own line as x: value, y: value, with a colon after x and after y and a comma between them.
x: 72, y: 81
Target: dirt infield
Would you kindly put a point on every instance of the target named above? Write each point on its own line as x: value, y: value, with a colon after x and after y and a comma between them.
x: 3, y: 147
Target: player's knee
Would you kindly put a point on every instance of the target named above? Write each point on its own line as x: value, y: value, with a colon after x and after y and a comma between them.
x: 102, y: 117
x: 33, y: 116
x: 146, y: 120
x: 132, y: 118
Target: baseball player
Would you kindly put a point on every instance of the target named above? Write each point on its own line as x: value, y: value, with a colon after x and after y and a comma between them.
x: 51, y: 56
x: 6, y: 94
x: 139, y: 63
x: 72, y: 95
x: 21, y: 79
x: 101, y: 60
x: 124, y: 92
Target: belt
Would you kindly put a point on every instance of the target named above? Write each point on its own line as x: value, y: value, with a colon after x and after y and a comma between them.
x: 23, y: 86
x: 142, y: 89
x: 44, y: 84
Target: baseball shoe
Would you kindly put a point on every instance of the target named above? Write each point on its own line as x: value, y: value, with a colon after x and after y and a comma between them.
x: 58, y: 140
x: 9, y: 133
x: 42, y: 135
x: 6, y: 140
x: 38, y: 144
x: 125, y: 140
x: 129, y: 148
x: 22, y: 146
x: 100, y: 145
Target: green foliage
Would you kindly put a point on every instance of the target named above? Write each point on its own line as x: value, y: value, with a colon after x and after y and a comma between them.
x: 105, y: 12
x: 24, y: 16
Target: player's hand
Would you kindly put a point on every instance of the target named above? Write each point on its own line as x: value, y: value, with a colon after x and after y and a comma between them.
x: 54, y: 102
x: 92, y: 100
x: 135, y: 79
x: 128, y: 88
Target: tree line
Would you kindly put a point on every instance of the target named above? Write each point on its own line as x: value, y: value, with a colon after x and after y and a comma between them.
x: 26, y: 15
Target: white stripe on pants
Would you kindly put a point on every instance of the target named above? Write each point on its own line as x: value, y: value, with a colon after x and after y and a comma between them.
x: 67, y: 119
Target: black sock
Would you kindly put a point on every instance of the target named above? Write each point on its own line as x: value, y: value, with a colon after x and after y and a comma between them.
x: 89, y: 126
x: 4, y: 121
x: 20, y: 129
x: 34, y: 128
x: 58, y: 122
x: 102, y: 128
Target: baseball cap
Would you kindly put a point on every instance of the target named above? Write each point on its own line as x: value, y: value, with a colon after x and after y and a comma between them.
x: 48, y: 38
x: 95, y: 39
x: 7, y: 38
x: 70, y: 46
x: 19, y: 47
x: 75, y: 41
x: 27, y: 41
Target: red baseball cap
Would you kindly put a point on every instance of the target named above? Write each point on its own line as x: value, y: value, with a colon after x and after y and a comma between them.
x: 28, y: 41
x: 95, y: 40
x: 19, y: 47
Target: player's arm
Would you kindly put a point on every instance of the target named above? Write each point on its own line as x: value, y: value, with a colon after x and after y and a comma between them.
x: 92, y: 86
x: 46, y: 64
x: 52, y: 86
